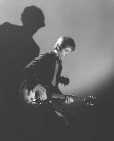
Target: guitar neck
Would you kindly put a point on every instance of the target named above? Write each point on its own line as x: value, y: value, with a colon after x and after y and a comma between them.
x: 79, y: 99
x: 83, y: 100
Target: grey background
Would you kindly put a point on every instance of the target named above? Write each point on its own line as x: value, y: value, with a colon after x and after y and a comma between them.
x: 89, y: 22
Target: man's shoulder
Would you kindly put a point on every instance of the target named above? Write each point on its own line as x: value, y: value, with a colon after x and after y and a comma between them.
x: 51, y: 55
x: 47, y: 55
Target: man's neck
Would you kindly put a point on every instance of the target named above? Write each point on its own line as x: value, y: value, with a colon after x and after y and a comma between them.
x: 58, y: 54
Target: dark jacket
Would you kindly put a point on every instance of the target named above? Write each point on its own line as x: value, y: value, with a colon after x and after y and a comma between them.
x: 42, y: 69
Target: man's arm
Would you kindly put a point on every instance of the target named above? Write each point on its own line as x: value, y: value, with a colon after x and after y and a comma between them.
x: 41, y: 67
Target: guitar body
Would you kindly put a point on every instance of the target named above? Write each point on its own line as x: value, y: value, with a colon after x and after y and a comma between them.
x: 39, y: 95
x: 32, y: 96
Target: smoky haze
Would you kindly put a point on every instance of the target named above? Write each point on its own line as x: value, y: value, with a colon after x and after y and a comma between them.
x: 89, y: 22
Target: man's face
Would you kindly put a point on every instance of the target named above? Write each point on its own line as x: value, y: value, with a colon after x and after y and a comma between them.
x: 66, y: 51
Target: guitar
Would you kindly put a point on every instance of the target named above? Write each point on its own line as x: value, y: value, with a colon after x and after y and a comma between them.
x: 38, y: 95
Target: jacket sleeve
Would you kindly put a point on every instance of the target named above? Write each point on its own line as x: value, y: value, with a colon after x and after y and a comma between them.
x: 41, y: 68
x: 48, y: 68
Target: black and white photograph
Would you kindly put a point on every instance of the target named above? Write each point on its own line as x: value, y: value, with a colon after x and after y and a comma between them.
x: 56, y: 70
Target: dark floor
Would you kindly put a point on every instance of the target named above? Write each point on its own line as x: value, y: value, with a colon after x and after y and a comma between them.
x: 36, y: 125
x: 41, y: 126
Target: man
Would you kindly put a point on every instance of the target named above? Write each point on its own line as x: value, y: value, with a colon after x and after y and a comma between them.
x: 46, y: 70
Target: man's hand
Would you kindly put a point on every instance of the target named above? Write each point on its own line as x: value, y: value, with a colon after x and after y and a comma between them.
x: 64, y: 80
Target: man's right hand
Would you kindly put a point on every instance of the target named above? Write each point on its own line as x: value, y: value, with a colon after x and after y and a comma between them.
x: 64, y: 80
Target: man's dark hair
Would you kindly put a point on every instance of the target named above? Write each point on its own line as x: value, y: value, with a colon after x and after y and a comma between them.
x: 33, y: 15
x: 63, y: 42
